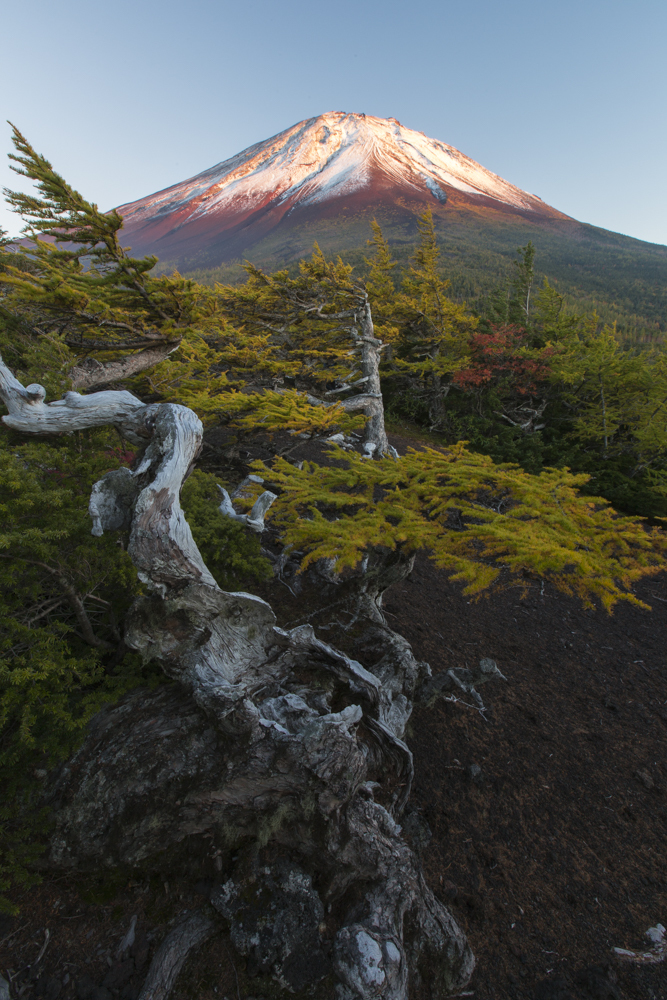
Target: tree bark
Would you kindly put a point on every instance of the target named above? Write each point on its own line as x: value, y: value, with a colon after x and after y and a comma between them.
x: 375, y: 436
x: 90, y: 372
x: 172, y: 953
x: 283, y: 751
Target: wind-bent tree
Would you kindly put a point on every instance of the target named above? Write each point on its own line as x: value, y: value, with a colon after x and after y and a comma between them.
x: 276, y: 761
x: 318, y: 330
x: 71, y: 285
x: 430, y: 331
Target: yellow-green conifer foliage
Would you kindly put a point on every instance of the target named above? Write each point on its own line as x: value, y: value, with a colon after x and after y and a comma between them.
x: 429, y: 332
x: 486, y: 524
x: 618, y: 395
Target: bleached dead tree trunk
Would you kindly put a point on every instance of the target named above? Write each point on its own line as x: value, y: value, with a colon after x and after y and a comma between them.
x: 375, y: 435
x: 375, y: 442
x: 277, y: 762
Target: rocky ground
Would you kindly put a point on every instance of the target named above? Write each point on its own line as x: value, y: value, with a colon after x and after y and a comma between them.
x: 542, y: 823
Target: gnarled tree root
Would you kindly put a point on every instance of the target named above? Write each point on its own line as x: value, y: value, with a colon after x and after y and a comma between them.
x: 275, y: 745
x: 172, y: 953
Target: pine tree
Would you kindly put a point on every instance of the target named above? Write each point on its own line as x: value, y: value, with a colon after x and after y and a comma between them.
x: 320, y: 330
x: 434, y: 331
x: 521, y: 285
x: 73, y: 300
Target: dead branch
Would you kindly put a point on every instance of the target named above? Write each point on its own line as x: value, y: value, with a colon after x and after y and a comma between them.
x: 172, y: 953
x: 91, y: 372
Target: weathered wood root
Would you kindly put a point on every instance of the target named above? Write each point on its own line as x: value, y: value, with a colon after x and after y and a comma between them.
x: 172, y: 953
x: 277, y: 745
x: 654, y: 955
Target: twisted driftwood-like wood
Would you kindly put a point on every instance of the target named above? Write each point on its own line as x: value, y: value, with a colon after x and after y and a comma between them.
x: 275, y: 764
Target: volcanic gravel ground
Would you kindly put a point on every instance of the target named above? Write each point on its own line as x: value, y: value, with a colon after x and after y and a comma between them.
x: 549, y: 816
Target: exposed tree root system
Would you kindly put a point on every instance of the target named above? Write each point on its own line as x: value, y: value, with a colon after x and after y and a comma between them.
x: 541, y: 823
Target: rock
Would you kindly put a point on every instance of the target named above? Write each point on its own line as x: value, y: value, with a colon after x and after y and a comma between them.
x: 275, y: 915
x: 474, y: 772
x: 646, y: 779
x: 372, y: 963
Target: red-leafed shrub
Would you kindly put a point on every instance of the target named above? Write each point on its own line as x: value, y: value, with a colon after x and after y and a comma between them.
x: 502, y: 358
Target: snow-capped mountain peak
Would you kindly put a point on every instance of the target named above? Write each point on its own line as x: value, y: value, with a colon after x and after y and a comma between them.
x: 326, y: 157
x: 335, y: 162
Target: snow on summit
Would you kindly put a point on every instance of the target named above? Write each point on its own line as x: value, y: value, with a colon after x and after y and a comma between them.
x: 325, y: 157
x: 323, y: 167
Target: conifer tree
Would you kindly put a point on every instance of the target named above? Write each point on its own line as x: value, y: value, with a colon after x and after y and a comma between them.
x: 521, y: 285
x: 432, y: 342
x: 319, y: 328
x: 619, y: 395
x: 70, y: 292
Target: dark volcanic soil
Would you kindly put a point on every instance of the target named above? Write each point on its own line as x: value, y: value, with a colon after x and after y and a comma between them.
x: 556, y: 851
x: 548, y: 815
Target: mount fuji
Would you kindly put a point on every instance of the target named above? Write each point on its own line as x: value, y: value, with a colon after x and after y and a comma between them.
x: 325, y: 179
x: 335, y: 164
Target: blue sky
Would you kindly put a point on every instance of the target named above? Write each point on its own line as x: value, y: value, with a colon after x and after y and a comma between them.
x: 567, y: 100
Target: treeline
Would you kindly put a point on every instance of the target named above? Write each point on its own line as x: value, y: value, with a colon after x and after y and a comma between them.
x: 518, y: 373
x: 623, y: 280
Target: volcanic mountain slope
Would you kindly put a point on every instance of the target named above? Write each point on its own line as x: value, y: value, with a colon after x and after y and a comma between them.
x: 316, y: 170
x: 325, y: 179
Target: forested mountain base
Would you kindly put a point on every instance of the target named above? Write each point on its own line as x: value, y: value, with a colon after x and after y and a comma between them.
x: 622, y: 280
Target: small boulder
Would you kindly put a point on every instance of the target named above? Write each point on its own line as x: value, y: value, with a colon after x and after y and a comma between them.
x: 646, y: 779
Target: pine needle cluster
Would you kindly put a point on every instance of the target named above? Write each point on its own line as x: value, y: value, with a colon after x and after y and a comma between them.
x: 485, y: 524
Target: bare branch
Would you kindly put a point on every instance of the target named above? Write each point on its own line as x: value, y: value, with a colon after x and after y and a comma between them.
x: 255, y: 519
x: 92, y: 372
x: 172, y: 953
x: 29, y: 413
